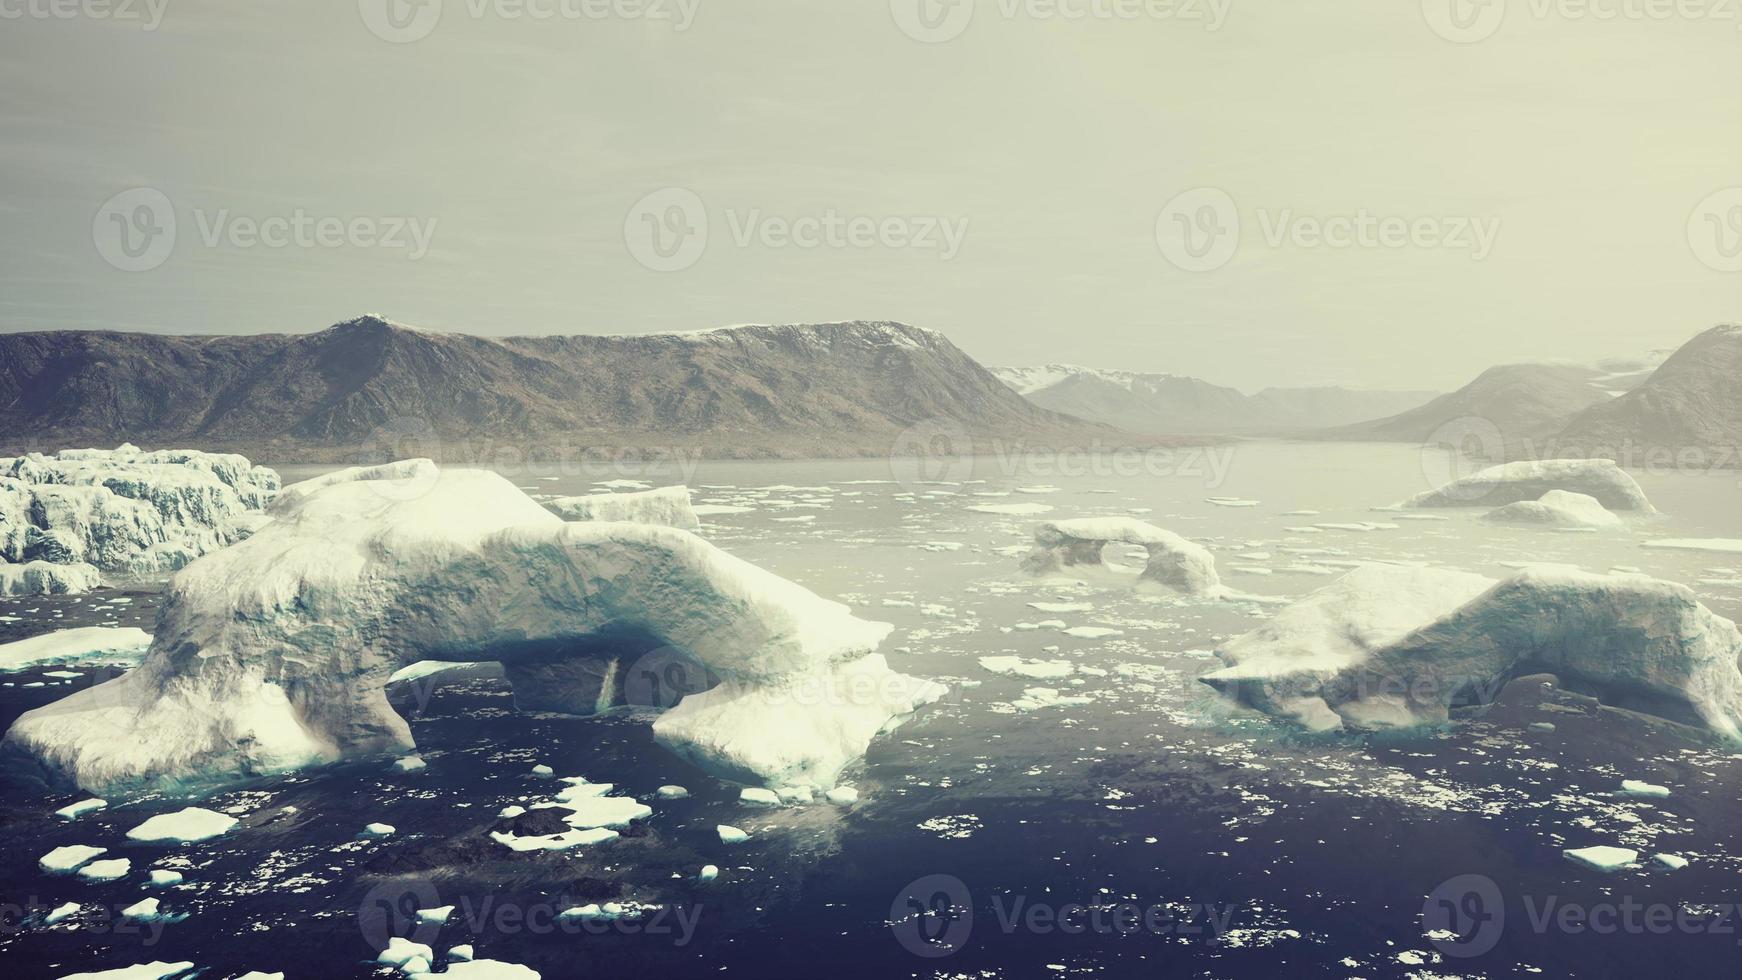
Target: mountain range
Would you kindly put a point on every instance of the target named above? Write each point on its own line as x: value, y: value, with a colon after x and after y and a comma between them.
x: 818, y: 390
x: 1167, y: 403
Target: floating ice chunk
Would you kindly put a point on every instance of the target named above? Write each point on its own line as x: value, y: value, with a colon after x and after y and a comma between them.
x: 1039, y: 670
x: 1092, y: 632
x: 1035, y: 698
x: 259, y: 975
x: 481, y: 970
x: 1012, y: 510
x: 843, y: 796
x: 162, y: 878
x: 86, y: 643
x: 555, y: 842
x: 76, y: 810
x: 109, y: 869
x: 1726, y: 545
x: 378, y: 829
x: 410, y: 763
x: 1231, y: 502
x: 543, y: 771
x: 758, y: 796
x: 47, y: 578
x: 1674, y: 862
x: 1181, y: 565
x: 1542, y: 726
x: 668, y: 506
x: 64, y: 859
x: 417, y: 966
x: 510, y: 811
x: 590, y: 812
x: 714, y: 510
x: 1530, y: 479
x: 731, y: 835
x: 460, y: 952
x: 60, y: 913
x: 436, y: 916
x: 155, y: 970
x: 184, y: 826
x: 1602, y: 858
x: 708, y: 873
x: 671, y: 792
x: 401, y: 951
x: 1061, y: 607
x: 1634, y: 787
x: 1558, y: 509
x: 145, y: 910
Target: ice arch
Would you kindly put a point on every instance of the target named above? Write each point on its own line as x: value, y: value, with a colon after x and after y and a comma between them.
x: 1174, y: 562
x: 275, y: 653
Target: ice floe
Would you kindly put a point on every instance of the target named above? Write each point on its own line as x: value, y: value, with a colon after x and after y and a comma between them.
x: 184, y: 826
x: 1529, y: 479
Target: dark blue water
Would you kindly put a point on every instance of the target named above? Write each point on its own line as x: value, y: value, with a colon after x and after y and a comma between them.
x: 1175, y: 836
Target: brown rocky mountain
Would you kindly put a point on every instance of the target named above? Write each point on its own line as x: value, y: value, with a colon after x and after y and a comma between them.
x: 1690, y: 408
x: 835, y: 389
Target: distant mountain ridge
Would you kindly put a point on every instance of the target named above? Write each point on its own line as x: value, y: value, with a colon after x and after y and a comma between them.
x: 1174, y: 404
x: 1692, y: 404
x: 1522, y: 401
x: 835, y: 389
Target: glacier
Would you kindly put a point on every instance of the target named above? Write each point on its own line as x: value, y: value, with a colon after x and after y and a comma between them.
x: 1392, y: 646
x: 69, y: 517
x: 275, y: 653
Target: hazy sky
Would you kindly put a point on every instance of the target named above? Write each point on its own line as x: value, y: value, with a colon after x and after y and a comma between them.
x: 1538, y: 181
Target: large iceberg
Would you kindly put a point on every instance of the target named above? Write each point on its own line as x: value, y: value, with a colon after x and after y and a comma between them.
x: 1174, y: 562
x: 66, y: 517
x: 668, y: 506
x: 276, y: 652
x: 1390, y: 646
x: 1556, y: 509
x: 1530, y: 479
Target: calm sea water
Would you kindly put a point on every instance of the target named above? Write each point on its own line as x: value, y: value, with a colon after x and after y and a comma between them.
x: 1149, y: 830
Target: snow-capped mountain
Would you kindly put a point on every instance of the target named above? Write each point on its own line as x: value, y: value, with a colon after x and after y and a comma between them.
x: 817, y: 389
x: 1167, y: 403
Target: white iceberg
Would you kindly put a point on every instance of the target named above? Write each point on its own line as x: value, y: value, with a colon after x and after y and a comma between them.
x: 109, y: 644
x: 379, y: 830
x: 666, y: 506
x: 401, y: 951
x: 155, y: 970
x: 1529, y: 479
x: 730, y: 834
x: 1174, y: 562
x: 1557, y: 509
x: 47, y: 578
x: 275, y: 653
x: 108, y: 869
x: 1650, y: 791
x: 672, y: 792
x: 1602, y: 858
x: 69, y: 857
x: 184, y: 826
x: 124, y: 511
x: 1395, y: 646
x: 60, y: 913
x: 757, y: 796
x: 74, y: 811
x: 162, y: 878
